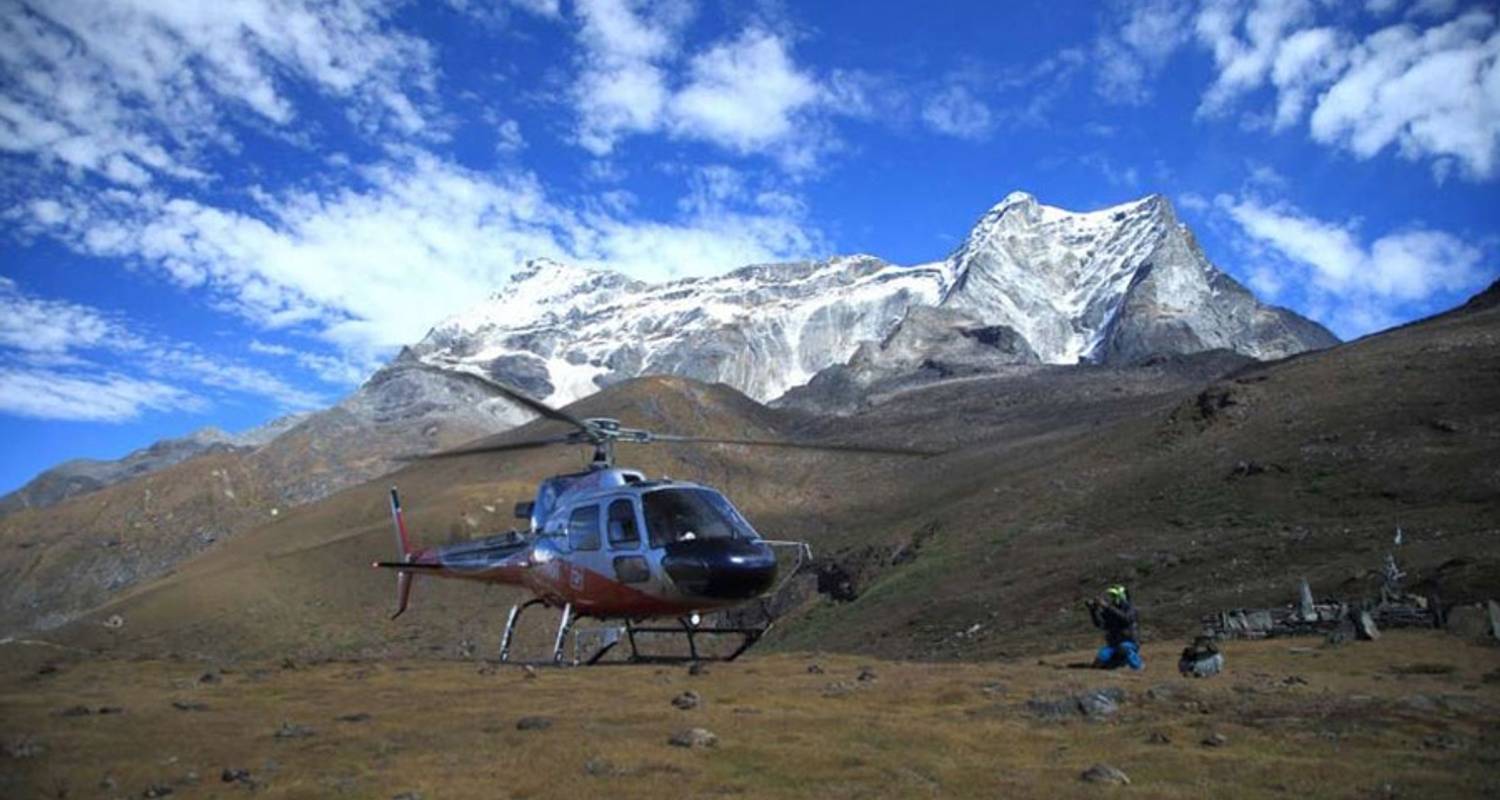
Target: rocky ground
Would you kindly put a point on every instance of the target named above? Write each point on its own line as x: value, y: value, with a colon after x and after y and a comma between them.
x: 1412, y: 715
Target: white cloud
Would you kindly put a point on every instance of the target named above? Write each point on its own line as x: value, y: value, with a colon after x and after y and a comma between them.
x: 46, y: 394
x: 43, y: 340
x: 621, y: 88
x: 368, y: 270
x: 1431, y: 94
x: 1358, y: 284
x: 508, y: 138
x: 956, y: 112
x: 1139, y: 38
x: 1244, y: 62
x: 329, y: 369
x: 745, y: 94
x: 128, y: 90
x: 38, y: 326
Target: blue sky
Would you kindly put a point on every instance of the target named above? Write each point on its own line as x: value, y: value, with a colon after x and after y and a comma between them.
x: 217, y: 213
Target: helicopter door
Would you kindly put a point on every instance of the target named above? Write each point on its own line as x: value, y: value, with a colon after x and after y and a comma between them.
x: 623, y: 532
x: 583, y: 542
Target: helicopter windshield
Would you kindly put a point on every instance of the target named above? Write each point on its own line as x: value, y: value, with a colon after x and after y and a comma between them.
x: 674, y: 515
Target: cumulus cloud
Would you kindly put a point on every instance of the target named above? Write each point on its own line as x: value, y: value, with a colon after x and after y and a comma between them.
x: 745, y: 94
x: 1359, y: 287
x: 128, y: 91
x: 1426, y: 86
x: 1433, y: 93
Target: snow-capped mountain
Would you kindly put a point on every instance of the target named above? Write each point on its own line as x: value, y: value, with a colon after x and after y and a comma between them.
x: 1050, y: 285
x: 561, y: 332
x: 1112, y: 286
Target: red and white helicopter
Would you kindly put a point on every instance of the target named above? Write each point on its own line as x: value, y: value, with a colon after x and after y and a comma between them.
x: 611, y: 544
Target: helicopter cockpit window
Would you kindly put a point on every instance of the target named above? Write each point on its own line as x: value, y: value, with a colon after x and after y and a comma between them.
x: 583, y: 528
x: 674, y: 515
x: 621, y: 526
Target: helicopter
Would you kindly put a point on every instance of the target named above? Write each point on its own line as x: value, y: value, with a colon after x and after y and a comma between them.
x: 611, y: 544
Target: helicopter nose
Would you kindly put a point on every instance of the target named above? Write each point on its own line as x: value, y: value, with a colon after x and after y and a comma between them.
x: 721, y: 569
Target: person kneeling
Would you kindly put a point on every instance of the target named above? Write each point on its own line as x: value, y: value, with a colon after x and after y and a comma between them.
x: 1117, y: 617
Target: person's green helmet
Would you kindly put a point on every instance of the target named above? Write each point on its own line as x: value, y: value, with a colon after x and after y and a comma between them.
x: 1116, y: 593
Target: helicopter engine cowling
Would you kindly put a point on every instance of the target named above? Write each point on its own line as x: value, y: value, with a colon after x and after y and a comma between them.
x: 721, y: 569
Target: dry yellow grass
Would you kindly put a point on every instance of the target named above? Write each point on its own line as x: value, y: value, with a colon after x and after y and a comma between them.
x: 1366, y: 722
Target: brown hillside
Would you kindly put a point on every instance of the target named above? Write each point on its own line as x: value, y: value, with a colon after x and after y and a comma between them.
x: 1059, y: 480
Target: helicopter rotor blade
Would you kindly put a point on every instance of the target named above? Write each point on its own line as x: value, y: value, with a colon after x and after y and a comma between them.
x: 500, y: 447
x: 515, y: 395
x: 847, y: 448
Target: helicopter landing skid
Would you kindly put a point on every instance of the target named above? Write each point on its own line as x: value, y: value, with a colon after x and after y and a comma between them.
x: 749, y: 636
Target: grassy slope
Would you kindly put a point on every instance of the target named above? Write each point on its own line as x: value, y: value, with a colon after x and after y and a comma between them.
x: 1059, y: 482
x: 1357, y: 727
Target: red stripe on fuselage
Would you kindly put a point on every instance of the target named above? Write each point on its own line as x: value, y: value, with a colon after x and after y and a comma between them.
x: 591, y: 593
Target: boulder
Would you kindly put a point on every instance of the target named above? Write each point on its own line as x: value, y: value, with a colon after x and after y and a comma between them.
x: 1104, y: 773
x: 694, y: 738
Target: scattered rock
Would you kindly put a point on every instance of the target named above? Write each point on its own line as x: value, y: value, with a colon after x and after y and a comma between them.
x: 1100, y: 702
x: 235, y: 775
x: 1201, y: 659
x: 359, y: 717
x: 1443, y: 741
x: 528, y: 672
x: 693, y: 738
x: 190, y: 779
x: 1092, y: 704
x: 1104, y: 773
x: 25, y: 747
x: 189, y: 705
x: 1294, y: 680
x: 687, y: 701
x: 106, y: 710
x: 533, y: 723
x: 466, y: 649
x: 698, y: 668
x: 814, y: 669
x: 1157, y: 737
x: 114, y: 622
x: 291, y: 730
x: 993, y: 688
x: 866, y: 674
x: 208, y: 678
x: 156, y: 790
x: 1215, y: 740
x: 837, y: 689
x: 600, y: 768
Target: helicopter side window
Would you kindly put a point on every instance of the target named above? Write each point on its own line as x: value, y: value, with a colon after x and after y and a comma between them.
x: 583, y: 528
x: 623, y: 534
x: 674, y: 515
